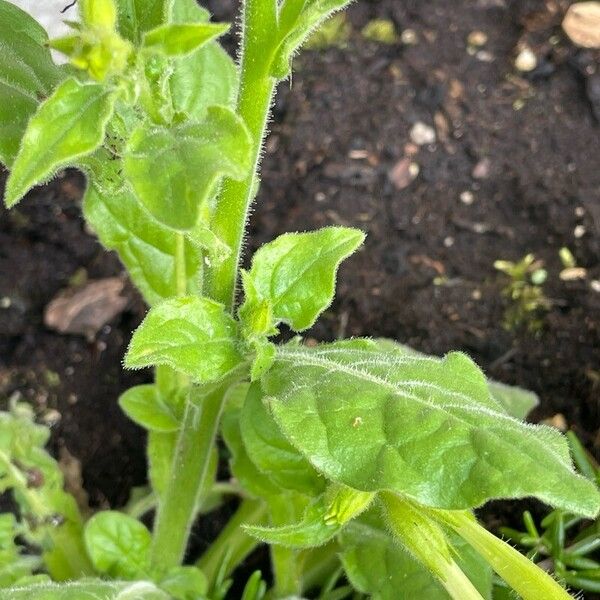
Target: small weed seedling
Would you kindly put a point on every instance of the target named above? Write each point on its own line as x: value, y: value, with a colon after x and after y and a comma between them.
x: 359, y: 462
x: 524, y: 293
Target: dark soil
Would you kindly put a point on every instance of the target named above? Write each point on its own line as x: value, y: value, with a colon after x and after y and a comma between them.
x: 425, y: 276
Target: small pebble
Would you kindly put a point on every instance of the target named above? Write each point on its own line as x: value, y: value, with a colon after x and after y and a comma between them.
x: 477, y: 38
x: 580, y: 212
x: 484, y: 56
x: 526, y: 60
x: 5, y: 302
x: 573, y: 274
x: 482, y: 169
x: 409, y: 37
x: 476, y: 294
x: 449, y: 241
x: 595, y: 285
x: 422, y: 134
x: 467, y: 197
x: 579, y: 231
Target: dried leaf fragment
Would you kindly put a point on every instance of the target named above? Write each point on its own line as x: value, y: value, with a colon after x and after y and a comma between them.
x: 582, y: 24
x: 86, y: 310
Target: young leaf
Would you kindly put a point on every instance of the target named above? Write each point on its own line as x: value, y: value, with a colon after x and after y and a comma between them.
x: 207, y: 77
x: 145, y: 247
x: 422, y: 427
x: 27, y: 75
x: 139, y: 16
x: 69, y: 125
x: 192, y: 335
x: 271, y: 452
x: 299, y: 19
x: 87, y: 589
x: 118, y: 545
x: 99, y: 13
x: 185, y: 583
x: 174, y: 170
x: 296, y: 273
x: 144, y: 405
x: 182, y: 39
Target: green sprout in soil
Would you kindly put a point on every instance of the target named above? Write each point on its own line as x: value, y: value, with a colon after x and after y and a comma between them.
x: 333, y: 33
x: 358, y: 463
x: 524, y: 292
x: 382, y: 31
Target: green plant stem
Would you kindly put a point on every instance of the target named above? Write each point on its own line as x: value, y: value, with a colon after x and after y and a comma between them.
x: 180, y: 270
x: 188, y: 480
x: 425, y: 540
x: 524, y: 576
x: 254, y: 101
x: 233, y: 544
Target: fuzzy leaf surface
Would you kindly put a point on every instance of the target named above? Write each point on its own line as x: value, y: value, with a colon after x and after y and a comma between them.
x: 423, y: 427
x: 181, y: 39
x: 118, y: 545
x: 190, y: 334
x: 174, y: 170
x: 67, y: 126
x: 144, y: 405
x: 295, y: 274
x: 87, y: 589
x: 269, y: 450
x: 298, y: 19
x: 139, y: 16
x: 27, y: 75
x: 145, y: 247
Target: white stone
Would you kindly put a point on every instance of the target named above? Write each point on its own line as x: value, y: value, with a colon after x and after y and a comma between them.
x: 422, y: 134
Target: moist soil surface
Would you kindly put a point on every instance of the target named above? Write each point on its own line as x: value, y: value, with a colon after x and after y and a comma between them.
x: 514, y: 169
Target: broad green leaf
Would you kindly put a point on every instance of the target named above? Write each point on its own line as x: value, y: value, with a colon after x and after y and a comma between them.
x: 138, y: 16
x: 378, y: 566
x: 299, y: 19
x: 67, y: 126
x: 87, y: 589
x: 207, y: 77
x: 271, y: 452
x: 190, y: 334
x: 145, y: 247
x: 27, y: 75
x: 185, y: 583
x: 144, y: 405
x: 118, y: 545
x: 516, y: 401
x: 295, y: 274
x: 423, y: 427
x: 182, y: 39
x: 174, y: 170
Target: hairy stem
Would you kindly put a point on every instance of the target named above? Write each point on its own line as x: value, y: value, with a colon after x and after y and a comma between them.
x: 254, y: 101
x: 233, y: 544
x: 188, y: 479
x: 524, y: 576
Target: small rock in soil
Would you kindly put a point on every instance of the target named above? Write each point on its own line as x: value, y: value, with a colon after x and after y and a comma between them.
x: 403, y: 173
x: 526, y: 60
x: 582, y: 24
x: 86, y: 310
x: 422, y: 134
x: 482, y: 169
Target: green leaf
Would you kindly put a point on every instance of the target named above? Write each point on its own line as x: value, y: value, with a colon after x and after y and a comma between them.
x: 118, y: 545
x: 377, y: 565
x: 182, y: 39
x: 422, y: 427
x: 185, y: 583
x: 174, y: 170
x: 207, y: 77
x: 516, y: 401
x: 87, y: 589
x: 139, y: 16
x: 192, y: 335
x: 27, y: 75
x: 145, y: 247
x: 295, y: 274
x: 67, y: 126
x: 272, y: 454
x: 144, y: 405
x: 299, y: 18
x: 99, y: 13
